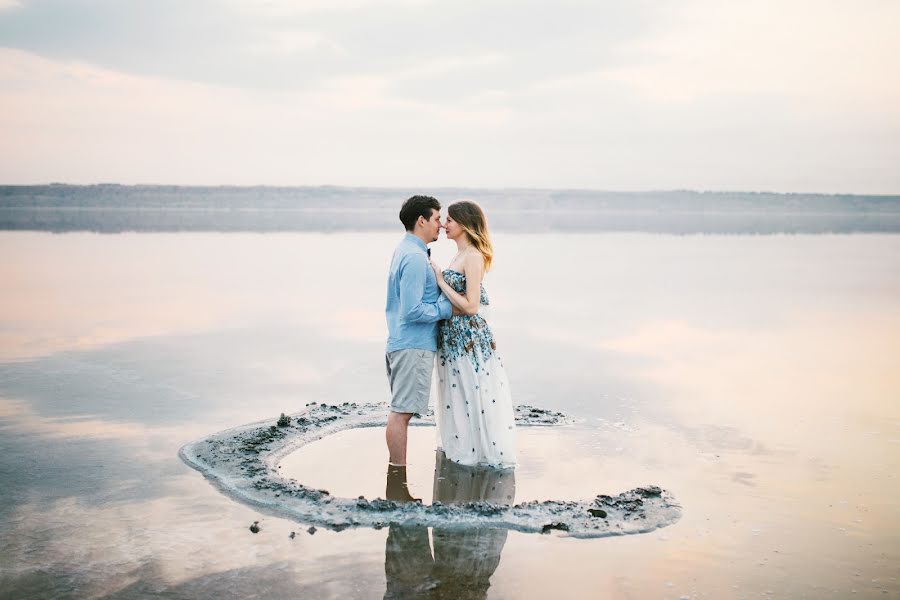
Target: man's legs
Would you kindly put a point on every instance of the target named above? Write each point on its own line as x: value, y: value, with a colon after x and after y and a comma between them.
x: 409, y: 373
x: 395, y: 434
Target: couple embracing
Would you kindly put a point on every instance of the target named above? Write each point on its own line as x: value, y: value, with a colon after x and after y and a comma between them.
x: 437, y: 322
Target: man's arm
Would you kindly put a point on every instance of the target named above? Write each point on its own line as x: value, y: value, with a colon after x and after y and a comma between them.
x: 413, y: 270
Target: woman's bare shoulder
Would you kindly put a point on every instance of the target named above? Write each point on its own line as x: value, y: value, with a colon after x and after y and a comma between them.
x: 474, y: 259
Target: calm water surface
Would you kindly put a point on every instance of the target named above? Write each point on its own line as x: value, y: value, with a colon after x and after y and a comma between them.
x: 755, y: 377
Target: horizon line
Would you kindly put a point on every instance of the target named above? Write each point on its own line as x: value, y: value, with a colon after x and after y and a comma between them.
x: 442, y: 187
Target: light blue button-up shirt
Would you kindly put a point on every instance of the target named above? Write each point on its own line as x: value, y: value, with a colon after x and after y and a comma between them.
x: 415, y: 303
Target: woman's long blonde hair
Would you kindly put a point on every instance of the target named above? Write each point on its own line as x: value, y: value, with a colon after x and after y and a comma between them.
x: 472, y: 220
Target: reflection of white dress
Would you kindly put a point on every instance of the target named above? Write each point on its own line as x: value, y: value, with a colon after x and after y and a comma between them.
x: 465, y: 559
x: 474, y: 411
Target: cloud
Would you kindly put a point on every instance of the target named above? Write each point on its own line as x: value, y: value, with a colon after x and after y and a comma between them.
x: 278, y: 9
x: 292, y: 42
x: 297, y: 45
x: 797, y: 96
x: 124, y: 125
x: 817, y: 53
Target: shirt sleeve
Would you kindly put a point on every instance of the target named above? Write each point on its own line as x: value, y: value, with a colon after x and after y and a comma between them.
x: 445, y: 306
x: 413, y: 271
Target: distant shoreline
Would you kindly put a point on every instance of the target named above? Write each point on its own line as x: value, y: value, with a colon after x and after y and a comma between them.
x: 113, y: 208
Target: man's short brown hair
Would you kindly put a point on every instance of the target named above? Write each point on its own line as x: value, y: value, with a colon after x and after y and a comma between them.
x: 415, y: 207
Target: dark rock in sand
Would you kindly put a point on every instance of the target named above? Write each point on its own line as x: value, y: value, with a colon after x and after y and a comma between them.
x: 311, y: 530
x: 255, y: 527
x: 597, y: 512
x: 378, y: 504
x: 550, y: 526
x: 293, y: 535
x: 530, y: 415
x: 485, y: 508
x: 284, y: 421
x: 649, y: 491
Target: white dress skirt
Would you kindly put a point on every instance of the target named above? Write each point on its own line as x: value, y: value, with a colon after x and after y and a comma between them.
x: 473, y: 410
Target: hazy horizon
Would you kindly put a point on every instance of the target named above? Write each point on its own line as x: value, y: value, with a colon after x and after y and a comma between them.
x: 424, y: 189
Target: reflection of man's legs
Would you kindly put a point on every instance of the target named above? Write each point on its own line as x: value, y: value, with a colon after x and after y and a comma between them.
x: 407, y: 553
x: 407, y: 561
x: 396, y: 488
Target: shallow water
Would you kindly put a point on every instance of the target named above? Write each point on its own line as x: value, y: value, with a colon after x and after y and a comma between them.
x: 755, y: 377
x: 553, y: 462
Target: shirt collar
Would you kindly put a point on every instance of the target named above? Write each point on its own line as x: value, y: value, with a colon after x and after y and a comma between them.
x: 417, y: 240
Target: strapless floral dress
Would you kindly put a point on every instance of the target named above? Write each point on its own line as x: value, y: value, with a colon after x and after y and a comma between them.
x: 474, y: 412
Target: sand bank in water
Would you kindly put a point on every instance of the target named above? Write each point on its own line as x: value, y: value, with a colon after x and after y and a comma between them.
x: 243, y: 463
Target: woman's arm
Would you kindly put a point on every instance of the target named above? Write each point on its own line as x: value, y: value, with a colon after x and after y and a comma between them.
x: 412, y: 272
x: 473, y: 269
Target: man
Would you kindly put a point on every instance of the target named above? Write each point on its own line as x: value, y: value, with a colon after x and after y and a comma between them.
x: 414, y: 307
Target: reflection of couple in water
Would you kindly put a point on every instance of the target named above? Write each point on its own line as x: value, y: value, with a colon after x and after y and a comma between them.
x: 463, y: 559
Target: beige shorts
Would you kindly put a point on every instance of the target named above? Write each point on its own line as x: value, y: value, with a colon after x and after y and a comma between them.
x: 409, y: 373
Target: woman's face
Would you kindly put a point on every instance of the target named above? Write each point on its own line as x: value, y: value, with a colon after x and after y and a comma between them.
x: 452, y: 228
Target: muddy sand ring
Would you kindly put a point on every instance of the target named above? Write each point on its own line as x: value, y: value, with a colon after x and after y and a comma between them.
x: 243, y: 463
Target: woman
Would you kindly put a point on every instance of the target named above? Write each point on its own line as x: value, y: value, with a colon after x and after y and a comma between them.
x: 474, y: 409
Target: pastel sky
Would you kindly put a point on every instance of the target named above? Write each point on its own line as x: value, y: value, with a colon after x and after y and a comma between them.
x: 778, y: 95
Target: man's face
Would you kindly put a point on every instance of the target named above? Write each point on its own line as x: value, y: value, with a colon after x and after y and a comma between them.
x: 433, y: 226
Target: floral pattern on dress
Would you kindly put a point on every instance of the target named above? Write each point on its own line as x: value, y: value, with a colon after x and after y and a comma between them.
x: 465, y: 335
